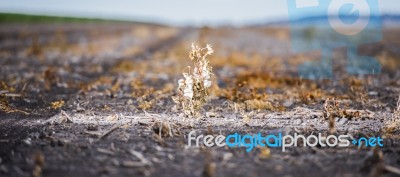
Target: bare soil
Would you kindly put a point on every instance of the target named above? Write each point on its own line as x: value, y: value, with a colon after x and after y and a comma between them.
x: 89, y: 100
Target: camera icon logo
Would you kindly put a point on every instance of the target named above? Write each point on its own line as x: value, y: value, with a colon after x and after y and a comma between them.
x: 324, y: 25
x: 354, y: 10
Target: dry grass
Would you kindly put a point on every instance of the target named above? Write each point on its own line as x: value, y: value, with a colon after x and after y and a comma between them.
x: 332, y: 110
x: 57, y: 104
x: 7, y: 108
x: 6, y: 93
x: 166, y: 129
x: 394, y: 124
x: 39, y: 163
x: 259, y: 105
x: 145, y: 105
x: 50, y: 77
x: 389, y: 62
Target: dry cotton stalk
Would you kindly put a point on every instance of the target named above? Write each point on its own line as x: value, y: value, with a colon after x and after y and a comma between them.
x: 193, y: 89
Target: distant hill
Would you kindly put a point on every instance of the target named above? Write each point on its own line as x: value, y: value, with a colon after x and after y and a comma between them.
x: 28, y: 18
x: 315, y: 20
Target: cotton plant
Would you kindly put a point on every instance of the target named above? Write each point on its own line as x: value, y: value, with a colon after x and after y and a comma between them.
x: 193, y: 88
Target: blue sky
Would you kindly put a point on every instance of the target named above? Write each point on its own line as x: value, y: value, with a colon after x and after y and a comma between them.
x: 178, y: 12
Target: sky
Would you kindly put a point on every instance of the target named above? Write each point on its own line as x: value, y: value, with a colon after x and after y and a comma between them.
x: 174, y: 12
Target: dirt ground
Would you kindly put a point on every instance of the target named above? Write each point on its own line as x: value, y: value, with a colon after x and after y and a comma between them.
x: 90, y: 100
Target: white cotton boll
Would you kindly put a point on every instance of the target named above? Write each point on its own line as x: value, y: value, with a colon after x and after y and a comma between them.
x: 193, y: 46
x: 205, y: 73
x: 181, y: 82
x: 207, y: 83
x: 188, y: 92
x: 206, y: 76
x: 195, y: 73
x: 189, y: 81
x: 209, y: 49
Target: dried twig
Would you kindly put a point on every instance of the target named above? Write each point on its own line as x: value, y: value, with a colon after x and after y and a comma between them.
x: 4, y: 141
x: 68, y: 120
x: 92, y: 133
x: 392, y: 169
x: 38, y: 159
x: 11, y: 95
x: 131, y: 164
x: 105, y: 151
x: 109, y: 131
x: 140, y: 156
x: 209, y: 166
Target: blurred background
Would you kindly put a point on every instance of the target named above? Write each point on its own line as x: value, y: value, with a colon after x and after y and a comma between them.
x: 174, y: 12
x: 100, y: 45
x: 91, y: 64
